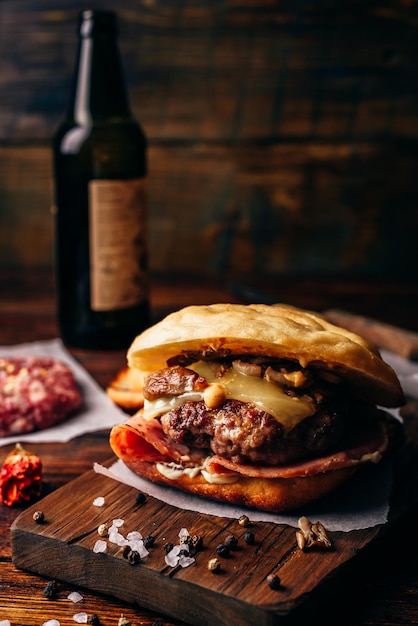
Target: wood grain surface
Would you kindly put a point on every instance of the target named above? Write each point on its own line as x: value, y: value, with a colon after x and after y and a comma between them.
x: 283, y: 136
x: 378, y: 586
x: 239, y: 593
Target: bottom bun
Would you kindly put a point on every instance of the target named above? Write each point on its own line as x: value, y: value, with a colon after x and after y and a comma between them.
x: 264, y: 494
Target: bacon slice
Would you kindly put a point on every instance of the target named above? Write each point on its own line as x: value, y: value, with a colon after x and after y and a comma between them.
x: 370, y: 444
x: 145, y: 440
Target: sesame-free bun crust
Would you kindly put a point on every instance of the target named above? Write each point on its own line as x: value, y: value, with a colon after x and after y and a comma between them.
x: 263, y: 494
x: 126, y: 389
x: 278, y: 331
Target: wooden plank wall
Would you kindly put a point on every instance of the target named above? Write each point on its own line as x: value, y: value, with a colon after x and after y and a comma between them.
x: 283, y: 136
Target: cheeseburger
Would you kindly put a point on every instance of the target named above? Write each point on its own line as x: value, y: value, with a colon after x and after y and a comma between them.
x: 270, y: 407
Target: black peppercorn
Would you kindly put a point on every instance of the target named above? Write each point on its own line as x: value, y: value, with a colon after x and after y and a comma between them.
x: 149, y: 541
x: 222, y: 550
x: 125, y: 552
x: 197, y: 542
x: 51, y: 590
x: 185, y: 539
x: 231, y: 541
x: 133, y: 557
x: 168, y: 547
x: 273, y: 581
x: 94, y: 620
x: 249, y: 538
x: 140, y: 498
x: 38, y: 517
x: 183, y: 552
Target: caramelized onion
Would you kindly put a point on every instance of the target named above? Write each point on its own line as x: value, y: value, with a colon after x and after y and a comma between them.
x: 249, y: 369
x: 294, y: 379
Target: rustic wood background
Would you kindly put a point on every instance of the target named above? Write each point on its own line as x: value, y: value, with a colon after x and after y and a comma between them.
x: 283, y: 136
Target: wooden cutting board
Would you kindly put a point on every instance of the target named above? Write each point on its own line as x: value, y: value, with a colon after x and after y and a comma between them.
x: 62, y: 548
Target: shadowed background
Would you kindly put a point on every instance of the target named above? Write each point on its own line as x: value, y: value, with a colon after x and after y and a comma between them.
x: 283, y: 136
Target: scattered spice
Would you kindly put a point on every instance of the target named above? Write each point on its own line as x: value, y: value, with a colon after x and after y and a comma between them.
x: 149, y: 541
x: 214, y: 565
x: 157, y: 622
x: 94, y: 620
x: 133, y: 557
x: 123, y: 621
x: 38, y: 517
x: 249, y: 538
x: 140, y: 498
x: 312, y: 535
x: 180, y: 553
x: 222, y: 550
x: 20, y: 477
x: 197, y: 543
x: 168, y: 547
x: 244, y: 521
x: 126, y: 550
x: 231, y: 541
x: 103, y: 530
x: 75, y: 597
x: 274, y: 582
x: 186, y: 540
x: 51, y: 590
x: 100, y: 546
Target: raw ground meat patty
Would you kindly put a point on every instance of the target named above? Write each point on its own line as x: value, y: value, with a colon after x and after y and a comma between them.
x: 35, y: 393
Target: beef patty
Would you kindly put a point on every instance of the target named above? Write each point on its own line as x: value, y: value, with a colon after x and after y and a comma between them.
x: 240, y: 432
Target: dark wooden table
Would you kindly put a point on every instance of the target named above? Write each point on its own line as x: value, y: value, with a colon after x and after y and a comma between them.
x: 380, y: 587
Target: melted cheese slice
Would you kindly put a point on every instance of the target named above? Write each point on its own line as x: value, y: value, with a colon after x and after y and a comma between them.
x: 266, y: 396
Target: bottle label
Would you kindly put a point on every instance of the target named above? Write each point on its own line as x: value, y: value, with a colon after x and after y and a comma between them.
x: 117, y: 243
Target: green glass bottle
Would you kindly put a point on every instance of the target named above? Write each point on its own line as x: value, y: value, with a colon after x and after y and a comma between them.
x: 100, y: 200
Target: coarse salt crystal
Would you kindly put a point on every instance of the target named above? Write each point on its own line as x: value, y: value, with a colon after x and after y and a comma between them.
x: 5, y: 622
x: 51, y: 622
x: 81, y: 618
x: 183, y: 532
x: 138, y: 546
x: 74, y: 596
x: 118, y: 538
x: 118, y: 522
x: 134, y: 535
x: 179, y: 547
x: 100, y: 546
x: 185, y: 561
x: 171, y: 559
x: 99, y: 501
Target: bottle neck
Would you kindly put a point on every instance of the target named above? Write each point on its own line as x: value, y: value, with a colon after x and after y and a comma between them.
x: 99, y: 92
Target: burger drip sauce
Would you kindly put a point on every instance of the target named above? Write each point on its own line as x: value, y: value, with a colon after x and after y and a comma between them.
x: 100, y: 207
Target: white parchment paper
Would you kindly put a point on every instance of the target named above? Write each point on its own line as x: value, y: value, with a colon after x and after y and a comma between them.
x: 98, y: 411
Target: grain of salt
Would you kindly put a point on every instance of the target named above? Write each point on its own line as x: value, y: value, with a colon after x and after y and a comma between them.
x: 74, y: 596
x: 51, y: 622
x: 5, y: 622
x: 118, y: 522
x: 81, y: 618
x: 99, y: 501
x: 100, y: 546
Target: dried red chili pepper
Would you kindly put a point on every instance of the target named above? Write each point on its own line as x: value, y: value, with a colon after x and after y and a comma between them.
x: 20, y: 477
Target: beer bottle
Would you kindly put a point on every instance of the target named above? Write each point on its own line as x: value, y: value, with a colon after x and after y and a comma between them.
x: 100, y: 201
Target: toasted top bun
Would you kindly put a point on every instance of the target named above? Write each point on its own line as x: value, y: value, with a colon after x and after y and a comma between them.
x: 278, y: 331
